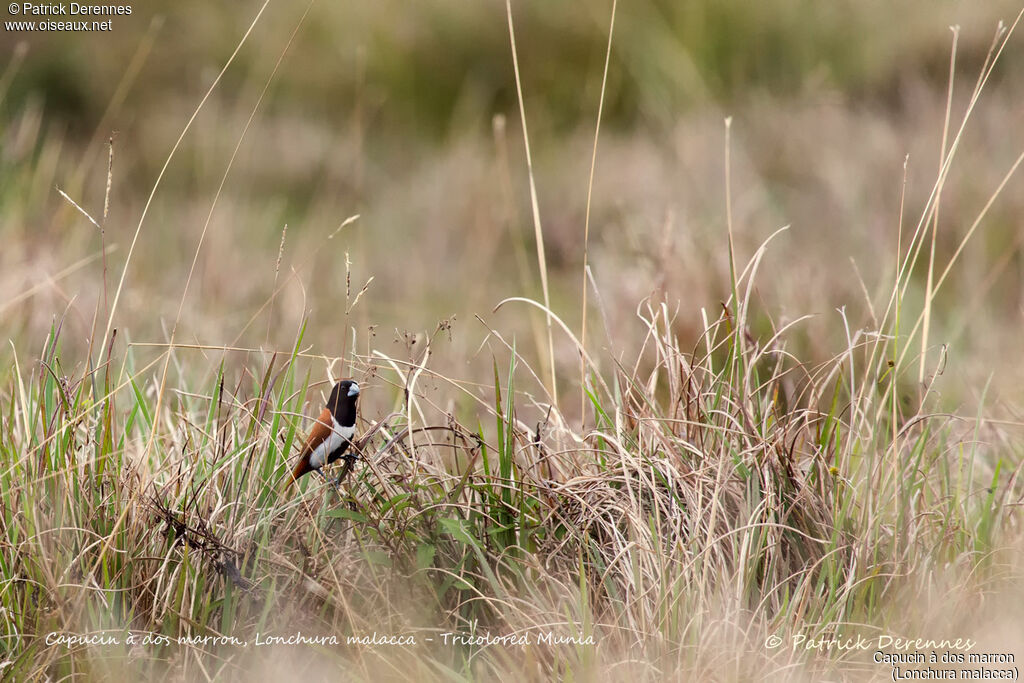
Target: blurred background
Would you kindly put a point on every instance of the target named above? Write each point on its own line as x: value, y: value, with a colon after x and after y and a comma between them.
x: 406, y: 114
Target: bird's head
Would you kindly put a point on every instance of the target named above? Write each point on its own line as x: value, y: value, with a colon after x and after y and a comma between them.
x: 342, y: 402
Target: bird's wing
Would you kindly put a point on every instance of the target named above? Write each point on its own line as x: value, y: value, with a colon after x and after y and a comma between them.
x: 322, y: 428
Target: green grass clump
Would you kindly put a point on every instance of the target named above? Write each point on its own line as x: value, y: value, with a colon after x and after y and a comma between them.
x: 727, y: 491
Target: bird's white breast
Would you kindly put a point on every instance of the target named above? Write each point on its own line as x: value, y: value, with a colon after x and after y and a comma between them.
x: 337, y: 437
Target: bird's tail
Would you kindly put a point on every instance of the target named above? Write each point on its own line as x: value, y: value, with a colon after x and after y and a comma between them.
x: 301, y: 468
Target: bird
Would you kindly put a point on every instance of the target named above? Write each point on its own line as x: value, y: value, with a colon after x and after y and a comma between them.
x: 332, y: 433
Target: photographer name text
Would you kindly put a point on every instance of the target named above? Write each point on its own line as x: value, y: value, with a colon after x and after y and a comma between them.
x: 66, y: 10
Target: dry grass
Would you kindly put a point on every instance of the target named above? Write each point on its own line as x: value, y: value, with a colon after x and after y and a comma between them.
x: 758, y: 440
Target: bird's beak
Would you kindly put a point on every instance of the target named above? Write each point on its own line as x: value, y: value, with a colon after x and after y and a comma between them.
x: 353, y: 390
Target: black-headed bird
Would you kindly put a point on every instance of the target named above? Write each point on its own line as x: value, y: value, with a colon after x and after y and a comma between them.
x: 332, y: 433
